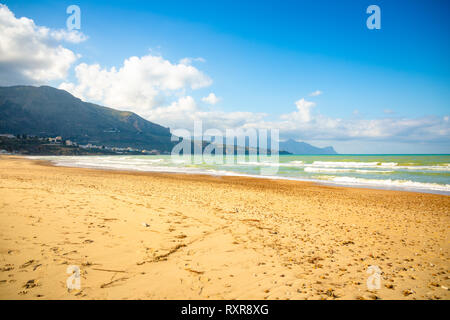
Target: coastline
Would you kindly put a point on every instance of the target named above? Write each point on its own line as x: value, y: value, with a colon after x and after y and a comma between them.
x: 213, y: 237
x: 390, y: 184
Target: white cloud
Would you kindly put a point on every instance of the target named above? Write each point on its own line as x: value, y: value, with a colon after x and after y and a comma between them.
x: 320, y: 127
x: 31, y: 54
x: 183, y: 112
x: 304, y: 111
x: 211, y: 99
x: 316, y: 93
x: 73, y: 36
x: 304, y: 125
x: 141, y: 84
x: 188, y: 61
x: 307, y: 126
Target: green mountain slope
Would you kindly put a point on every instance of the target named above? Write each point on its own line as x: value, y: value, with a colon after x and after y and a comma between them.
x: 46, y: 111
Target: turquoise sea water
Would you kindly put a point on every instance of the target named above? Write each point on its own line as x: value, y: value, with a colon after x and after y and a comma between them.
x: 425, y: 173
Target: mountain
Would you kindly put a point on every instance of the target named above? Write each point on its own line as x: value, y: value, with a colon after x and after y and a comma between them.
x: 295, y: 147
x: 49, y: 112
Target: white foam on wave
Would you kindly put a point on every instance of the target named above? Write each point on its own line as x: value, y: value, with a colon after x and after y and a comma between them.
x: 389, y: 164
x: 297, y: 162
x: 166, y: 165
x: 300, y: 164
x: 383, y: 165
x: 261, y: 163
x: 343, y: 164
x: 404, y: 184
x: 338, y: 170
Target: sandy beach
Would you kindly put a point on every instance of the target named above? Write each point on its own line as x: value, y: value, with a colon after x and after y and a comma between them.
x: 172, y: 236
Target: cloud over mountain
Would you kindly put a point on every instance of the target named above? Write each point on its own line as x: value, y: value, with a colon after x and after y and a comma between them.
x: 31, y: 54
x: 139, y: 85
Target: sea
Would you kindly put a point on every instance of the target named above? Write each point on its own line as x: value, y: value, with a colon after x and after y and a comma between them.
x: 422, y: 173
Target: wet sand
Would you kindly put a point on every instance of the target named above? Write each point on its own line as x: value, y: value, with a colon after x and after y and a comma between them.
x: 172, y: 236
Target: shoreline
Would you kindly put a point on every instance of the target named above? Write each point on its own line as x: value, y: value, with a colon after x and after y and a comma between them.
x: 140, y: 235
x: 267, y: 178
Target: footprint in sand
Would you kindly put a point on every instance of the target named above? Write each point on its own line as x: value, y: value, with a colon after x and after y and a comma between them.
x: 27, y: 264
x: 7, y: 267
x: 31, y: 284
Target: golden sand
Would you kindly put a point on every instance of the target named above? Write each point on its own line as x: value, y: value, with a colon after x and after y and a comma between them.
x: 167, y: 236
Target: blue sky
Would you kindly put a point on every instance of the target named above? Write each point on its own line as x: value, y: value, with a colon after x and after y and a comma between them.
x: 264, y: 56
